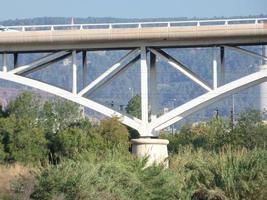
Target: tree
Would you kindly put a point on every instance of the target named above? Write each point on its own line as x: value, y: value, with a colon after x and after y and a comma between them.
x: 250, y: 131
x: 56, y: 117
x: 58, y: 114
x: 72, y: 141
x: 134, y: 106
x: 25, y: 108
x: 114, y: 133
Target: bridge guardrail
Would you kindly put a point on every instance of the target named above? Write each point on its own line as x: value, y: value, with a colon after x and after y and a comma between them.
x: 170, y: 24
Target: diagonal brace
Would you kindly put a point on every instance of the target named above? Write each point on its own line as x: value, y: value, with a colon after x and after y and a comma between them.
x: 115, y: 75
x: 108, y: 73
x: 245, y: 51
x: 41, y: 63
x: 183, y: 69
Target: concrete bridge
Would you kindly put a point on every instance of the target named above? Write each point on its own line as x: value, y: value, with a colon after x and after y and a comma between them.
x: 134, y: 35
x: 145, y: 42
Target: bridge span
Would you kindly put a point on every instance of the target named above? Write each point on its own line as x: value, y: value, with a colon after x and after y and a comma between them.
x: 133, y: 35
x: 145, y: 42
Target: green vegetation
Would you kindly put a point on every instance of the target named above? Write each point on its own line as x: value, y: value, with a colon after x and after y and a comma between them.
x: 249, y: 132
x: 134, y: 107
x: 71, y: 158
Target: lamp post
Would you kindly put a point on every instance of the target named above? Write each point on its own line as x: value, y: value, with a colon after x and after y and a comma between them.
x: 173, y: 106
x: 131, y: 92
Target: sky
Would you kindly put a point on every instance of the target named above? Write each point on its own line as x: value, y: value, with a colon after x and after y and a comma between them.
x: 19, y: 9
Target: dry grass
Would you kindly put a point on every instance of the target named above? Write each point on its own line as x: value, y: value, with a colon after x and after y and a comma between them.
x: 9, y: 173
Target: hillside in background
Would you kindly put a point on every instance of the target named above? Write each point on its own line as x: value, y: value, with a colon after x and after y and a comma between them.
x: 173, y: 88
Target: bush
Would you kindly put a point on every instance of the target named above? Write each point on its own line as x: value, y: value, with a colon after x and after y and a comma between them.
x: 109, y: 176
x: 193, y: 174
x: 72, y: 141
x: 229, y: 174
x: 114, y: 134
x: 249, y: 132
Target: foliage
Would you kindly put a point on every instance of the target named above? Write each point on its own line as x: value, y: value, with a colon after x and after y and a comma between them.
x: 26, y: 109
x: 209, y: 160
x: 249, y: 132
x: 114, y: 134
x: 134, y: 107
x: 229, y: 174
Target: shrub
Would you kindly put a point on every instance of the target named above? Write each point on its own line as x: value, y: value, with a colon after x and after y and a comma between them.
x: 115, y: 135
x: 229, y: 174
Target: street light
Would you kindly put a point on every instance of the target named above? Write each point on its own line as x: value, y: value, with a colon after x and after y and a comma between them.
x: 131, y: 92
x: 173, y: 106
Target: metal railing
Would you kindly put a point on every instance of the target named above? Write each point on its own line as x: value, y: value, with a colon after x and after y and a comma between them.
x: 170, y: 24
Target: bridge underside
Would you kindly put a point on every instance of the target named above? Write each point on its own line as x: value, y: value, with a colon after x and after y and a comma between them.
x: 151, y: 122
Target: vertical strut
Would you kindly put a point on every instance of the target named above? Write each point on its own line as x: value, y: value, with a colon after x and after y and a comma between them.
x: 15, y: 60
x: 263, y: 86
x: 153, y: 86
x: 264, y: 53
x: 144, y: 88
x: 222, y: 80
x: 85, y: 70
x: 4, y: 62
x: 214, y: 64
x: 74, y: 73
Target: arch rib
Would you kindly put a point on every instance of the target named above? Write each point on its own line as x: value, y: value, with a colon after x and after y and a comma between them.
x: 127, y: 120
x: 206, y: 99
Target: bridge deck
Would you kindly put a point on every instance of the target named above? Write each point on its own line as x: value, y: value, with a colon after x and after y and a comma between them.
x: 120, y: 38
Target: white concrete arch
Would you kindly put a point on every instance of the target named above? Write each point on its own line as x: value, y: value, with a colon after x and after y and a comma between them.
x: 127, y: 120
x: 207, y: 99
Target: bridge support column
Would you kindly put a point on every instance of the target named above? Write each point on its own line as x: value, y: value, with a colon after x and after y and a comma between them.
x: 4, y: 66
x: 154, y: 149
x: 85, y: 69
x: 74, y: 73
x: 263, y: 86
x: 222, y: 71
x: 153, y: 86
x: 16, y: 55
x: 144, y: 93
x: 214, y: 65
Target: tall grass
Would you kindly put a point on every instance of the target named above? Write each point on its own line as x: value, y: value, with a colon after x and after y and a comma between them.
x: 193, y: 174
x: 229, y: 174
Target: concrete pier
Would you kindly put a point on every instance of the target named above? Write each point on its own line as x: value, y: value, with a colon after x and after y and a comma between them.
x: 155, y: 149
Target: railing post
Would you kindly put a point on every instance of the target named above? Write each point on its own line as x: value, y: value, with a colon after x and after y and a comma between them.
x: 256, y: 21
